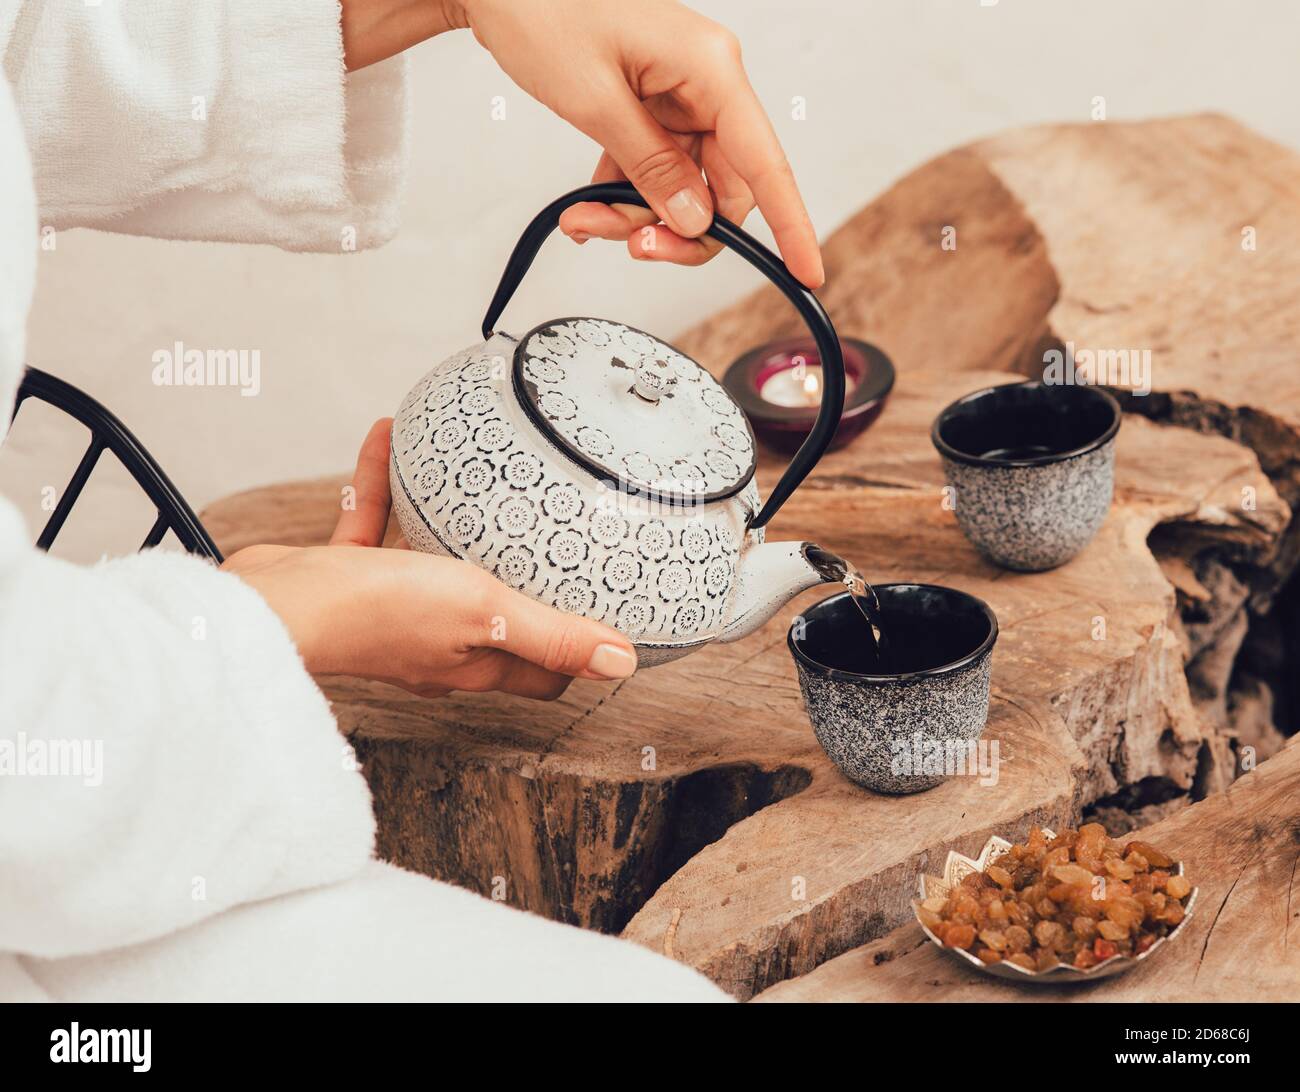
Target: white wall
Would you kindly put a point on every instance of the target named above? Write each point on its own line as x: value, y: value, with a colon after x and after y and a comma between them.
x: 342, y: 337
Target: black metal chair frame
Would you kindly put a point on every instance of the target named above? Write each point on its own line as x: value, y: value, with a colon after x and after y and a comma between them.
x: 107, y: 433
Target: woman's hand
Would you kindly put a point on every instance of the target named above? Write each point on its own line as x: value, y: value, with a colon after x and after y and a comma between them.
x: 658, y: 86
x: 663, y: 91
x: 425, y: 623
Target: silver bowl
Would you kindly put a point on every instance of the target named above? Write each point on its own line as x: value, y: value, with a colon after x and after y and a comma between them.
x: 957, y: 867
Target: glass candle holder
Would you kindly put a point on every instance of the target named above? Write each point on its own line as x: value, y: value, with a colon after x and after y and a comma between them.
x: 779, y: 386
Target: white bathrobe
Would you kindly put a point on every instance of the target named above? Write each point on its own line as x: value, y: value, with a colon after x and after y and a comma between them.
x: 220, y: 846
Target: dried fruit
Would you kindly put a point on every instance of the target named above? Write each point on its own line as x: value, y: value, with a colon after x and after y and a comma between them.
x: 1018, y: 938
x: 993, y: 939
x: 959, y: 936
x: 1049, y: 934
x: 1077, y: 898
x: 1111, y: 930
x: 1072, y: 874
x: 1120, y: 869
x: 1153, y: 856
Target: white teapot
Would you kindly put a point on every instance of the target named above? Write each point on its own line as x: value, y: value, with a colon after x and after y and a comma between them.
x: 598, y: 469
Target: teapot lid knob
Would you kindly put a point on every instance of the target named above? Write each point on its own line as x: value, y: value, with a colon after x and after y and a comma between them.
x: 652, y: 380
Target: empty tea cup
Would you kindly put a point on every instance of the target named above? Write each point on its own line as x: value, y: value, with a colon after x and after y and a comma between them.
x: 895, y: 719
x: 1032, y: 468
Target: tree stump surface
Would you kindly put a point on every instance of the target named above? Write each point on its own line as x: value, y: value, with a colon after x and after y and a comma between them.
x: 690, y: 807
x: 1239, y: 848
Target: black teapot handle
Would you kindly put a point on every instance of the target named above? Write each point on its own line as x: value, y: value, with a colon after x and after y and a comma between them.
x: 757, y: 255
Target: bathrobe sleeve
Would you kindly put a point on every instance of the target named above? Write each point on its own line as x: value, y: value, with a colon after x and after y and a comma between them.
x: 226, y: 120
x: 164, y: 755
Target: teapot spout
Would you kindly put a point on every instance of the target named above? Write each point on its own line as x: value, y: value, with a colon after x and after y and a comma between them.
x: 770, y: 575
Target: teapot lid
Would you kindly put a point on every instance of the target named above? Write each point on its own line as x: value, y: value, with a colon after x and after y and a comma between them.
x: 629, y: 407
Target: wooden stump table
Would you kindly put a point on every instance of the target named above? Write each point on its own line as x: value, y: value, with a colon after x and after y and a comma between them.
x: 690, y: 809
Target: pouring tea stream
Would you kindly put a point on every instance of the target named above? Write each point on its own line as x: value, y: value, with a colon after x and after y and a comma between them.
x: 596, y: 468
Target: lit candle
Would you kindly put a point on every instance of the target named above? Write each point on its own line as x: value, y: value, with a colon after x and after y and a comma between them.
x: 779, y: 386
x: 798, y: 385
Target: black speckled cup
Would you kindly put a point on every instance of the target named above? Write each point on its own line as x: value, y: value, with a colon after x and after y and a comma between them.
x: 875, y: 727
x: 1032, y: 467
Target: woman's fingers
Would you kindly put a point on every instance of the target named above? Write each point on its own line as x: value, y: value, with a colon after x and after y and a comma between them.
x: 639, y: 227
x: 593, y: 220
x: 731, y: 198
x: 565, y: 644
x: 653, y: 162
x: 365, y: 507
x: 747, y: 140
x: 493, y: 669
x: 745, y: 166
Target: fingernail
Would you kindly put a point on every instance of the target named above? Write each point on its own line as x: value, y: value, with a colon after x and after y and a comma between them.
x: 580, y: 236
x: 688, y: 214
x: 611, y: 662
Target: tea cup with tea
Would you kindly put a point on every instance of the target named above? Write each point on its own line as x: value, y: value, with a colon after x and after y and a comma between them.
x: 888, y: 711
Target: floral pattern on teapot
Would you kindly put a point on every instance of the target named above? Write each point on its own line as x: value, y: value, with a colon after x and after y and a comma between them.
x: 473, y: 477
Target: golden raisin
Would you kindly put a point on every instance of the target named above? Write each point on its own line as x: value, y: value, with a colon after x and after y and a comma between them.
x: 1154, y: 857
x: 1049, y: 934
x: 1018, y: 938
x: 1120, y: 869
x: 959, y: 936
x: 993, y: 939
x: 1072, y: 874
x: 1135, y: 860
x: 1110, y: 931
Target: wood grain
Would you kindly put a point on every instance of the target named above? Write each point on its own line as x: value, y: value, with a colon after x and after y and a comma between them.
x: 1241, y: 848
